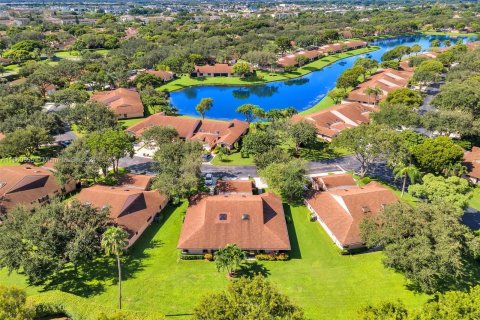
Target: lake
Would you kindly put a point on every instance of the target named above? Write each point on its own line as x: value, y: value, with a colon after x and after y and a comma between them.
x: 301, y: 93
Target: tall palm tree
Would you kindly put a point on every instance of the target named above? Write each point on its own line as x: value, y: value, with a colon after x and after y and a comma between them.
x: 114, y: 242
x: 411, y: 172
x: 376, y: 92
x: 369, y: 91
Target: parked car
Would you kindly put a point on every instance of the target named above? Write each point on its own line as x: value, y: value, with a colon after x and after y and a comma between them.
x: 209, y: 179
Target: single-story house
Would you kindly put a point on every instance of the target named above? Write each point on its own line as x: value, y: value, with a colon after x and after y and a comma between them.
x: 210, y: 132
x: 215, y: 70
x: 132, y: 205
x: 386, y: 79
x: 340, y: 206
x: 226, y: 187
x: 472, y: 162
x: 28, y: 185
x: 164, y: 75
x: 331, y: 121
x: 125, y: 103
x: 256, y: 223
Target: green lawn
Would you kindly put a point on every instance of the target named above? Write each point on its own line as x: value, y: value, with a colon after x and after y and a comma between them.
x: 75, y: 54
x: 475, y: 200
x: 319, y: 151
x: 262, y: 76
x: 451, y: 34
x: 326, y: 284
x: 129, y: 122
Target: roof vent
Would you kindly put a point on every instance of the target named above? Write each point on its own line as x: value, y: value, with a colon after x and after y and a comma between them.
x: 366, y: 209
x: 2, y: 184
x: 222, y: 216
x: 245, y: 216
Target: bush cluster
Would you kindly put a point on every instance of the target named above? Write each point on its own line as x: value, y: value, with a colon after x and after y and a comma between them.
x: 272, y: 257
x: 191, y: 256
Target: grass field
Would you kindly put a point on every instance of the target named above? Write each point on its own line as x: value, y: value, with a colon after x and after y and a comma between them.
x: 475, y: 200
x: 451, y: 34
x: 75, y: 54
x: 326, y: 284
x: 262, y: 76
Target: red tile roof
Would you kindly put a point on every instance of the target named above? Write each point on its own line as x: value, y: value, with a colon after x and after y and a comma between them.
x: 164, y: 75
x: 341, y: 210
x: 219, y: 68
x: 122, y: 101
x: 131, y: 208
x: 234, y: 187
x: 472, y: 162
x: 385, y: 79
x: 331, y: 121
x: 333, y: 181
x: 27, y: 184
x: 253, y: 222
x: 211, y: 132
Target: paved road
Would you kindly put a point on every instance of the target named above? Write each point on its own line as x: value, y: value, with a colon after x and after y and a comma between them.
x: 431, y: 91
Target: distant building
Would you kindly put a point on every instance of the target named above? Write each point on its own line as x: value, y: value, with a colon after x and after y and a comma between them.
x: 164, y: 75
x: 472, y: 162
x: 331, y: 121
x: 209, y: 132
x: 216, y: 70
x: 125, y: 103
x: 340, y: 206
x: 132, y: 205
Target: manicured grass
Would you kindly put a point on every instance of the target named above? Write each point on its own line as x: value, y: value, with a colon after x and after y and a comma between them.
x: 262, y: 76
x: 75, y: 54
x: 234, y: 159
x: 475, y: 199
x: 451, y: 34
x: 325, y: 103
x: 12, y: 68
x: 321, y: 150
x: 326, y: 284
x: 129, y: 122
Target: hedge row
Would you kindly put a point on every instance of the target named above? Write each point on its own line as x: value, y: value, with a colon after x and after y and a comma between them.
x: 78, y: 308
x: 191, y: 256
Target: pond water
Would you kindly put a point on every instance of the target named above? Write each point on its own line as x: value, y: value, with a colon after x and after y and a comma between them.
x: 301, y: 93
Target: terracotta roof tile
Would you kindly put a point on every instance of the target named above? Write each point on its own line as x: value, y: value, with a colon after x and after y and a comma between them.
x: 121, y: 101
x: 234, y: 187
x: 472, y: 162
x: 253, y: 222
x: 343, y: 209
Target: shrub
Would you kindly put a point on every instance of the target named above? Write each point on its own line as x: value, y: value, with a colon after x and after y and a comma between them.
x: 208, y: 256
x: 271, y: 257
x: 184, y: 256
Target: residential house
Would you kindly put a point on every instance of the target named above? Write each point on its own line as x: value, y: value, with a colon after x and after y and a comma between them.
x: 340, y: 206
x: 226, y: 187
x: 331, y: 121
x: 29, y: 185
x: 216, y: 70
x: 125, y: 103
x: 385, y: 79
x: 164, y: 75
x: 209, y: 132
x: 133, y: 206
x: 256, y: 223
x: 472, y: 162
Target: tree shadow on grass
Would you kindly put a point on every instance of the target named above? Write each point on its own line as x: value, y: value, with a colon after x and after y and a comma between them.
x: 295, y: 252
x: 252, y: 268
x: 91, y: 278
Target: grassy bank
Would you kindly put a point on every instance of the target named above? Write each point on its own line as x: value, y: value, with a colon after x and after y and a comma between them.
x: 263, y: 76
x: 323, y: 282
x: 450, y: 34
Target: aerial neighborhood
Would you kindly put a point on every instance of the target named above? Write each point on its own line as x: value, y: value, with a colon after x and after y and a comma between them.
x: 223, y: 160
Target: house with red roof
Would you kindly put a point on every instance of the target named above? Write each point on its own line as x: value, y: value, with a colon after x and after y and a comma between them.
x: 340, y: 206
x: 125, y: 103
x: 255, y: 223
x: 213, y: 70
x: 133, y: 206
x: 209, y: 132
x: 472, y: 162
x: 331, y: 121
x: 29, y: 185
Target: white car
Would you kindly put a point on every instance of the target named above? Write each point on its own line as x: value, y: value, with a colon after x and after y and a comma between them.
x: 208, y: 179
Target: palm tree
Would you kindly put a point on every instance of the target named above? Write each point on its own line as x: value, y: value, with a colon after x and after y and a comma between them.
x: 114, y: 241
x: 369, y: 91
x: 405, y: 172
x: 229, y: 258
